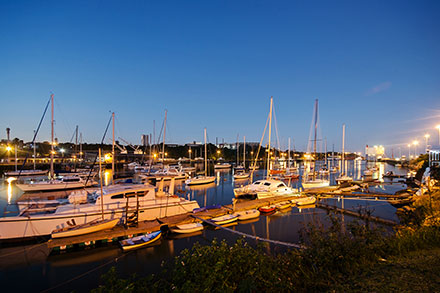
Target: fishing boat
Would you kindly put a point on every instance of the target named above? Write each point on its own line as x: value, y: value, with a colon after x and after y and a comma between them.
x: 247, y: 215
x: 187, y: 228
x: 302, y: 201
x: 140, y: 241
x: 283, y: 205
x: 225, y: 219
x: 267, y: 209
x: 198, y: 180
x: 90, y: 227
x: 118, y: 200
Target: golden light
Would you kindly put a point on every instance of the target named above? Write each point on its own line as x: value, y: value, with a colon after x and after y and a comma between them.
x: 8, y: 148
x: 415, y: 142
x: 53, y: 152
x: 189, y: 151
x: 409, y: 145
x: 107, y: 176
x: 10, y: 189
x: 108, y: 157
x: 166, y: 154
x: 218, y: 152
x: 438, y: 127
x: 427, y: 136
x: 155, y: 156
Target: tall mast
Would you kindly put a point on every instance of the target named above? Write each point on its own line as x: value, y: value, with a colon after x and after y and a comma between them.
x: 270, y: 132
x: 206, y: 156
x: 52, y: 150
x: 238, y: 156
x: 325, y: 147
x: 316, y: 126
x: 163, y: 145
x: 113, y: 145
x: 76, y: 147
x: 343, y: 147
x: 100, y: 182
x: 80, y: 146
x: 288, y: 156
x: 35, y: 152
x: 244, y: 152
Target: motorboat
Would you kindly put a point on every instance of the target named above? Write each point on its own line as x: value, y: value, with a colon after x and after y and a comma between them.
x: 248, y: 214
x: 66, y: 182
x: 267, y: 209
x: 302, y: 201
x: 226, y: 219
x: 241, y: 175
x: 116, y: 201
x: 265, y: 188
x: 200, y: 180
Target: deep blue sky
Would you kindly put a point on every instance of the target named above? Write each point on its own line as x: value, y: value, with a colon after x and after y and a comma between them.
x: 374, y: 65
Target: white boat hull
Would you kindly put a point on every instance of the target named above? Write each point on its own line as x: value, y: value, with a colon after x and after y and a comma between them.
x: 53, y: 186
x: 76, y: 231
x: 316, y: 184
x: 42, y: 225
x: 197, y: 181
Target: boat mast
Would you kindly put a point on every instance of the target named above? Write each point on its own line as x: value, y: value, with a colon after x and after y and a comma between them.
x: 244, y: 152
x: 343, y: 147
x: 238, y: 156
x: 76, y: 146
x: 315, y: 138
x: 270, y: 129
x: 52, y: 151
x: 288, y: 156
x: 100, y: 180
x: 80, y: 146
x: 325, y: 147
x: 113, y: 145
x: 206, y: 157
x: 35, y: 156
x: 163, y: 144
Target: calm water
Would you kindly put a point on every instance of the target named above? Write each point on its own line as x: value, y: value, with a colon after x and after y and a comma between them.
x: 33, y: 262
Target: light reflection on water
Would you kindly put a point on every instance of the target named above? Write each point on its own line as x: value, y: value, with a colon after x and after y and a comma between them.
x: 29, y: 262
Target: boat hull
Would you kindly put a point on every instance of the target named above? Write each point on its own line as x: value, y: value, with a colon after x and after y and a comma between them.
x: 224, y: 219
x: 76, y: 231
x: 247, y: 215
x: 187, y: 228
x: 199, y: 181
x: 54, y: 186
x: 127, y: 247
x: 42, y: 225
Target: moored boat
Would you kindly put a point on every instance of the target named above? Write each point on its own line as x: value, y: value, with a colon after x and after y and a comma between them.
x: 283, y: 205
x: 187, y: 228
x: 247, y: 215
x: 68, y: 182
x: 267, y: 209
x: 140, y: 241
x: 225, y: 219
x: 90, y: 227
x: 302, y: 201
x: 26, y: 173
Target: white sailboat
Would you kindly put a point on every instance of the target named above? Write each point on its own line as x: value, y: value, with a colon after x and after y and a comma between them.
x: 343, y: 178
x: 269, y: 187
x: 68, y: 182
x: 202, y: 179
x: 311, y: 180
x: 241, y: 173
x: 114, y: 202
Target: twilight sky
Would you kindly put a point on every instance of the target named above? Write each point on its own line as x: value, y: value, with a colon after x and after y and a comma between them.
x: 374, y: 65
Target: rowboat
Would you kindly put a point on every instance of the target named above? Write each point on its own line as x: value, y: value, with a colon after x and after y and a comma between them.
x: 225, y: 219
x: 187, y: 228
x: 283, y: 205
x: 267, y: 209
x: 140, y: 241
x: 249, y: 214
x: 93, y: 226
x: 304, y: 200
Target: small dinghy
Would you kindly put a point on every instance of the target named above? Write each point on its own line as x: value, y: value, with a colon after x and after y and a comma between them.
x: 93, y: 226
x: 283, y: 205
x: 247, y: 215
x: 187, y: 228
x: 225, y: 219
x: 304, y: 201
x: 140, y: 241
x: 267, y: 209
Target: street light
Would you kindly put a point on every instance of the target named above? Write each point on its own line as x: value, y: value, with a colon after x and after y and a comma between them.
x: 415, y: 143
x: 427, y: 141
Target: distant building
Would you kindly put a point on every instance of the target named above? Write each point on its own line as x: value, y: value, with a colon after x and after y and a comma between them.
x: 375, y: 152
x: 434, y: 157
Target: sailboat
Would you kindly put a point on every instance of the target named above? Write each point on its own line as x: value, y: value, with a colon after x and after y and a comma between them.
x: 268, y: 187
x: 202, y: 179
x: 311, y: 180
x: 67, y: 182
x: 241, y: 173
x: 342, y: 178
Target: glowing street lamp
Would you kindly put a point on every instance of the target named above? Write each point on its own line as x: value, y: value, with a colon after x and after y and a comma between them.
x: 415, y: 143
x: 427, y: 141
